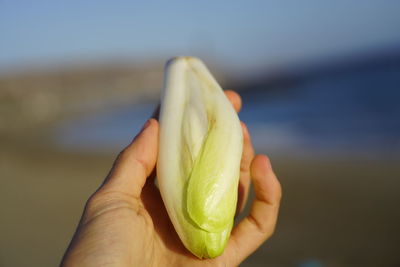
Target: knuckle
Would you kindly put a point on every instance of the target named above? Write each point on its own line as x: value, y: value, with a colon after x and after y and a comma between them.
x: 261, y: 227
x: 95, y: 201
x: 126, y: 155
x: 105, y: 200
x: 269, y: 234
x: 278, y: 191
x: 141, y: 164
x: 123, y: 154
x: 244, y: 167
x: 272, y: 231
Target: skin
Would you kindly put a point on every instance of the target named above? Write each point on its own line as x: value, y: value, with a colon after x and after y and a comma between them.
x: 125, y: 222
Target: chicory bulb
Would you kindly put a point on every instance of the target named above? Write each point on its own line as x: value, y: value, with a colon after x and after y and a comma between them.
x: 199, y: 156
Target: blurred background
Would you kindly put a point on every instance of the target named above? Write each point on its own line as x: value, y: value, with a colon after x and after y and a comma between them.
x: 320, y: 88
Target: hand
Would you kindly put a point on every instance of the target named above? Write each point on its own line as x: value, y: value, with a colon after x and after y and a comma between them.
x: 125, y: 222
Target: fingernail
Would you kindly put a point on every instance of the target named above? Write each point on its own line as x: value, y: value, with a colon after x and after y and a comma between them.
x: 147, y: 124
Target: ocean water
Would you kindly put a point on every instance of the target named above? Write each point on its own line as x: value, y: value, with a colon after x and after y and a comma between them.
x: 354, y: 113
x: 350, y: 113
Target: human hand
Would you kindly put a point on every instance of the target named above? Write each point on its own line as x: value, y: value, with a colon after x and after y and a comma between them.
x: 125, y: 222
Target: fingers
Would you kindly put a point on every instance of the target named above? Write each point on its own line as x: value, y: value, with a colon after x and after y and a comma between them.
x: 135, y: 163
x: 259, y: 225
x: 235, y: 99
x: 244, y: 182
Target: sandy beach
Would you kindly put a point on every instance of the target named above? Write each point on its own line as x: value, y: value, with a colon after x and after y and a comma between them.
x: 335, y: 212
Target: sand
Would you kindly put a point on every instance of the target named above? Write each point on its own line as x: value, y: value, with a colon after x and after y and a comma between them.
x: 335, y: 212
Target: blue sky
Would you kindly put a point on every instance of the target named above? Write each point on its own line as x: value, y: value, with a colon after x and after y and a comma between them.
x: 241, y: 35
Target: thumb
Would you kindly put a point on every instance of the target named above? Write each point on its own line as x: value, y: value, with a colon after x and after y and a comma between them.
x: 135, y: 163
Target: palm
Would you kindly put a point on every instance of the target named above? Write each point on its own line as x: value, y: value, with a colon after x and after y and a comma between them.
x: 128, y: 219
x: 165, y: 239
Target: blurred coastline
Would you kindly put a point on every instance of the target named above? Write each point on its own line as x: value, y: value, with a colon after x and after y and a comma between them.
x: 36, y: 98
x: 61, y: 129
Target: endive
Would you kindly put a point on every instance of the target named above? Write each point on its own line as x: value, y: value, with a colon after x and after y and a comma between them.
x: 199, y: 156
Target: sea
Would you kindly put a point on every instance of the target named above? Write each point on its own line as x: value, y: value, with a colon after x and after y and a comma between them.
x: 342, y: 112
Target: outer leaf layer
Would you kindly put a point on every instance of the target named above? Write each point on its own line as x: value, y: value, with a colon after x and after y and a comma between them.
x: 199, y: 157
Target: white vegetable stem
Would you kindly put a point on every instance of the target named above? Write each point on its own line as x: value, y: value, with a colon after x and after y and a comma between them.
x: 199, y: 157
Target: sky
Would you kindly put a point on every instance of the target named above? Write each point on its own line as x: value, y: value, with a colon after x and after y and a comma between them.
x: 240, y: 35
